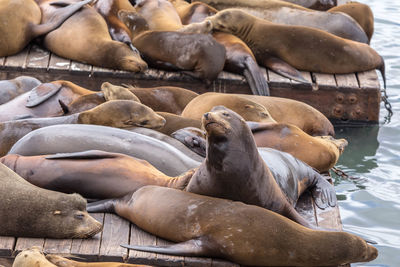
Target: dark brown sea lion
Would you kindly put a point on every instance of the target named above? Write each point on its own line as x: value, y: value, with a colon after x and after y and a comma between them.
x: 93, y: 174
x: 20, y: 23
x: 282, y: 110
x: 115, y: 113
x: 176, y: 122
x: 248, y: 109
x: 234, y: 169
x: 10, y: 89
x: 361, y: 13
x: 245, y: 234
x: 303, y: 48
x: 29, y: 211
x: 64, y: 262
x: 42, y: 101
x: 77, y: 40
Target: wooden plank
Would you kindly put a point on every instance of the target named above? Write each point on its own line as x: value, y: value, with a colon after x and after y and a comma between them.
x: 304, y: 86
x: 58, y: 63
x: 89, y: 249
x: 6, y: 245
x: 347, y: 81
x: 115, y: 233
x: 26, y: 243
x: 18, y: 61
x: 38, y: 58
x: 167, y: 260
x: 325, y: 81
x: 368, y: 80
x: 197, y: 262
x: 277, y: 81
x: 141, y: 238
x: 80, y: 67
x: 57, y: 246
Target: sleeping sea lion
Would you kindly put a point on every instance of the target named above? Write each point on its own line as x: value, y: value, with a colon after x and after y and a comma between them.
x: 20, y: 23
x: 245, y: 234
x: 234, y: 170
x: 92, y: 174
x: 67, y: 138
x: 10, y: 89
x: 29, y: 211
x: 303, y: 48
x: 115, y: 113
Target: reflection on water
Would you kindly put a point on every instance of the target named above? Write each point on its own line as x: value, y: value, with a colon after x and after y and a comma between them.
x: 370, y: 204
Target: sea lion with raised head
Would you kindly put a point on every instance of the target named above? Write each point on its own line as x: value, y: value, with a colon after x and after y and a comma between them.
x: 68, y: 138
x: 245, y: 234
x: 92, y: 174
x: 20, y: 23
x: 10, y: 89
x: 115, y: 113
x: 301, y: 47
x: 234, y: 169
x: 29, y: 211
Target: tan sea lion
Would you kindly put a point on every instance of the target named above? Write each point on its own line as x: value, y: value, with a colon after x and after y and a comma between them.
x: 303, y: 48
x: 93, y: 174
x: 77, y: 40
x: 175, y: 122
x: 10, y: 89
x: 245, y: 234
x: 249, y: 110
x: 114, y: 92
x: 17, y: 29
x: 32, y: 257
x: 282, y: 110
x: 64, y: 262
x: 29, y: 211
x: 115, y: 113
x: 361, y: 13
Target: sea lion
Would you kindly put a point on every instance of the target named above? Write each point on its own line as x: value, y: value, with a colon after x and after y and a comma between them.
x: 245, y: 234
x: 42, y: 101
x: 29, y: 211
x: 64, y: 262
x: 67, y: 138
x: 361, y: 13
x: 19, y: 23
x: 10, y: 89
x: 282, y: 12
x: 176, y: 122
x: 75, y: 39
x: 249, y: 110
x: 315, y: 4
x: 239, y: 58
x: 116, y: 113
x: 32, y: 257
x: 234, y: 169
x: 92, y: 174
x: 114, y: 92
x: 303, y: 48
x: 282, y: 110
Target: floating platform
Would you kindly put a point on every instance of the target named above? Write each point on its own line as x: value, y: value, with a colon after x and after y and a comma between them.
x: 343, y: 98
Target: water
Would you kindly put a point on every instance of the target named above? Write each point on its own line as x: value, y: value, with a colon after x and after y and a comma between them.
x: 370, y: 205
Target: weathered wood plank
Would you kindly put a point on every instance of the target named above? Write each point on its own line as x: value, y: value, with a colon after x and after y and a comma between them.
x: 57, y: 63
x: 304, y: 86
x: 347, y: 81
x: 368, y: 80
x: 38, y: 58
x: 26, y: 243
x: 6, y: 245
x: 57, y: 246
x: 88, y: 248
x: 278, y: 81
x: 18, y: 61
x: 80, y: 67
x: 197, y: 262
x: 141, y: 238
x: 167, y: 260
x: 115, y: 233
x: 325, y: 81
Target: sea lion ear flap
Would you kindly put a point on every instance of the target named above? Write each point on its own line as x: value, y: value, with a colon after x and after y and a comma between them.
x: 64, y: 107
x: 114, y: 92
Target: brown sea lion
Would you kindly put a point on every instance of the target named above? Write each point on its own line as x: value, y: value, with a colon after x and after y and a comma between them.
x: 303, y: 48
x: 93, y: 174
x: 77, y: 40
x: 42, y: 101
x: 10, y: 89
x: 361, y: 13
x: 20, y: 23
x: 282, y: 110
x: 315, y: 4
x: 249, y: 110
x: 32, y: 257
x: 64, y: 262
x: 115, y: 113
x: 245, y: 234
x: 29, y: 211
x: 234, y: 169
x: 175, y: 122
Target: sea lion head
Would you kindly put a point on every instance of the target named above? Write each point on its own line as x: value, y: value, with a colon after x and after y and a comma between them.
x: 115, y: 92
x: 229, y: 20
x: 228, y: 138
x: 192, y: 137
x: 251, y: 111
x: 122, y: 114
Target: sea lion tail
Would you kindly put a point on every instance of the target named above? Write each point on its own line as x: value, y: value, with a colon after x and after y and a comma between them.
x: 381, y: 69
x: 106, y: 205
x: 255, y: 78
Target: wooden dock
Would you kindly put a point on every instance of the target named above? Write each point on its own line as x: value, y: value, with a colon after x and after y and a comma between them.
x: 344, y: 98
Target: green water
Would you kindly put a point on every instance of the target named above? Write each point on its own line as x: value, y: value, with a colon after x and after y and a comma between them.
x: 370, y: 204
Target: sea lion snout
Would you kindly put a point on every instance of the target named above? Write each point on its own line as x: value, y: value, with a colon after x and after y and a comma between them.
x: 87, y: 227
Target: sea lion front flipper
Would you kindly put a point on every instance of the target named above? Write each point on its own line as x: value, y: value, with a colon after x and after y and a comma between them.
x: 193, y: 248
x: 324, y: 194
x: 255, y: 78
x: 281, y: 67
x: 60, y: 15
x: 90, y: 154
x: 41, y: 93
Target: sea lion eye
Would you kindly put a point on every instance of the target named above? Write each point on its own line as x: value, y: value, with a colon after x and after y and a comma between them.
x: 264, y: 114
x: 226, y: 114
x: 79, y: 216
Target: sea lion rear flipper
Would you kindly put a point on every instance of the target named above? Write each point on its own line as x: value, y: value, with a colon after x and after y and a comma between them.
x: 324, y: 194
x: 281, y: 67
x: 90, y: 154
x: 255, y: 78
x: 59, y: 16
x: 41, y: 93
x: 191, y: 248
